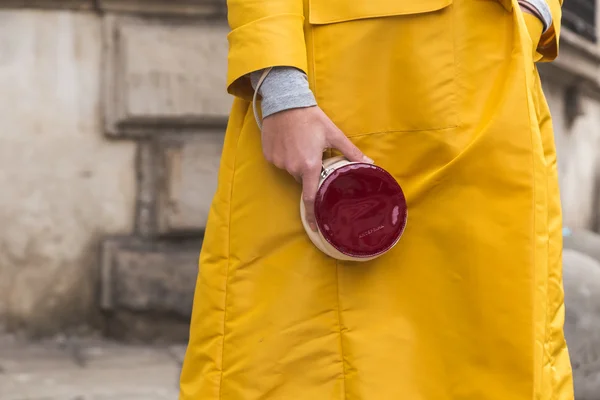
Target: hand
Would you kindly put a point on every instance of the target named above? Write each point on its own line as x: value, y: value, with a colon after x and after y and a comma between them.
x: 294, y: 140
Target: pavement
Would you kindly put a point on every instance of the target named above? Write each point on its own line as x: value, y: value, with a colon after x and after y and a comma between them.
x: 87, y: 369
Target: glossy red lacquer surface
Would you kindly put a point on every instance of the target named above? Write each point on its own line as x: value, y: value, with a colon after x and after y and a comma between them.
x: 361, y: 210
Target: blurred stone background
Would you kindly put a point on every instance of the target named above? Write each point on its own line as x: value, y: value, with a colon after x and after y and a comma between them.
x: 112, y: 115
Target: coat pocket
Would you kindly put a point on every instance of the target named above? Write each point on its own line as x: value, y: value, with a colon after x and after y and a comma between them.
x: 384, y: 65
x: 331, y: 11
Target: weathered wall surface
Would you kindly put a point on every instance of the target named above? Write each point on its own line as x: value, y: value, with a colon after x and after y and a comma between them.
x: 582, y: 327
x: 165, y: 90
x: 572, y: 89
x: 110, y: 138
x: 578, y: 148
x: 63, y: 186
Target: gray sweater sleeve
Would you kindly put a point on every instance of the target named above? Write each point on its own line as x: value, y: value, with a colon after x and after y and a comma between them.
x: 283, y: 89
x: 543, y: 9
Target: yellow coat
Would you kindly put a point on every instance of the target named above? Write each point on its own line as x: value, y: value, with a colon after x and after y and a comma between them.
x: 445, y: 95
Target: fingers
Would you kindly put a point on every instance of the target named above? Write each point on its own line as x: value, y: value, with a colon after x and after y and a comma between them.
x: 310, y: 185
x: 347, y: 148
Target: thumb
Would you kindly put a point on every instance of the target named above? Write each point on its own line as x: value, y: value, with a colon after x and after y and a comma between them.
x: 340, y: 142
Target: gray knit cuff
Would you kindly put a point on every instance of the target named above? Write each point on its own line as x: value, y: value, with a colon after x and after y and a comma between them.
x: 544, y: 11
x: 283, y: 89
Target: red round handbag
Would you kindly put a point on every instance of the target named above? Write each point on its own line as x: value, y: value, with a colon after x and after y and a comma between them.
x: 360, y: 210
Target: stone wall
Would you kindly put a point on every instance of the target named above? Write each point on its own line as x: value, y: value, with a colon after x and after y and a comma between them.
x: 582, y: 326
x: 572, y: 88
x: 113, y: 116
x: 164, y: 88
x: 64, y: 187
x: 578, y: 147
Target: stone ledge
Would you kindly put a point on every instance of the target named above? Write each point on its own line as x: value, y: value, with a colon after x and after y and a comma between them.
x: 48, y: 4
x: 585, y: 46
x: 187, y: 182
x: 164, y: 76
x: 144, y: 7
x: 163, y: 7
x: 149, y: 277
x: 578, y: 63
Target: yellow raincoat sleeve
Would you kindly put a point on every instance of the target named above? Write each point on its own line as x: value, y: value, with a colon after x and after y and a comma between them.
x: 264, y: 33
x: 548, y: 45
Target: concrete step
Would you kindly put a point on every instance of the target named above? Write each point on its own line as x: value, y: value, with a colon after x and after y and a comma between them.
x: 87, y: 369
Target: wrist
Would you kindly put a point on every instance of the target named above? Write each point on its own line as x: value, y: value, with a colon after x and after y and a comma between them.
x: 283, y: 89
x: 293, y: 101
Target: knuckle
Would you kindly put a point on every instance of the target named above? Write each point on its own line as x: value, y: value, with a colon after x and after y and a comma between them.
x: 312, y: 165
x: 294, y: 170
x: 307, y: 165
x: 301, y: 169
x: 303, y: 166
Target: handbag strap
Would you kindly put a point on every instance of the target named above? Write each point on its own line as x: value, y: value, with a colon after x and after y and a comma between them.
x: 255, y: 97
